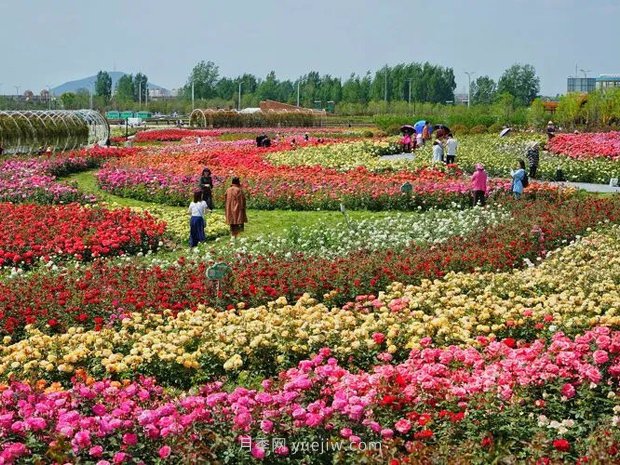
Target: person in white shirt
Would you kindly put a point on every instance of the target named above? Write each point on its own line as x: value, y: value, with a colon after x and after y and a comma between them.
x: 437, y: 152
x: 197, y: 210
x: 451, y: 146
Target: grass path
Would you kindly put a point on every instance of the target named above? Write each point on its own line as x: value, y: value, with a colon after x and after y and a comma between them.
x: 260, y: 222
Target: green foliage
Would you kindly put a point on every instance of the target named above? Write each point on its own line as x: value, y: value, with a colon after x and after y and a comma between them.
x: 483, y: 91
x: 537, y: 115
x: 103, y: 86
x: 125, y: 90
x: 204, y: 77
x: 521, y: 82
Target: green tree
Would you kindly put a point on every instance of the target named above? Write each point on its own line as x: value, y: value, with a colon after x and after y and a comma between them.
x: 483, y: 91
x: 521, y: 82
x: 103, y: 86
x: 125, y: 91
x: 268, y: 89
x: 69, y: 101
x: 204, y: 77
x: 140, y: 87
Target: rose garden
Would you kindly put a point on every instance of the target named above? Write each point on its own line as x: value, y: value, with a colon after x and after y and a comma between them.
x: 387, y: 326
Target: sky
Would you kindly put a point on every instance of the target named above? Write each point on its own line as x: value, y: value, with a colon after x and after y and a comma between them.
x: 48, y: 42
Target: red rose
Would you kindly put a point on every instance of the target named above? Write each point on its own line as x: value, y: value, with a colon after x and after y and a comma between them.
x: 562, y: 445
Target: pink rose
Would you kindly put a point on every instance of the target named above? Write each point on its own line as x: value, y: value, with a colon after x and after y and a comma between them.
x: 600, y: 357
x: 164, y: 452
x: 402, y: 425
x: 258, y: 452
x: 568, y: 391
x: 99, y: 409
x: 130, y: 439
x: 120, y: 457
x: 96, y: 451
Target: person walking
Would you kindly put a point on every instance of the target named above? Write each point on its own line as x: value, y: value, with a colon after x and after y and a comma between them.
x: 426, y: 132
x: 197, y: 210
x: 533, y: 158
x: 236, y: 215
x: 519, y: 179
x: 479, y: 185
x: 451, y: 146
x: 550, y: 130
x: 437, y: 152
x: 206, y: 187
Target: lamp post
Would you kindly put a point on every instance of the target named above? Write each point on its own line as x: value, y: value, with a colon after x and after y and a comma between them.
x: 298, y: 83
x: 17, y: 90
x: 239, y: 104
x: 140, y: 94
x: 385, y: 84
x: 49, y: 97
x: 409, y: 96
x: 469, y: 75
x: 192, y: 95
x: 585, y: 72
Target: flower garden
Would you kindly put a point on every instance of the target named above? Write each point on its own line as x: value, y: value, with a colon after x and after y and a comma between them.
x: 360, y: 323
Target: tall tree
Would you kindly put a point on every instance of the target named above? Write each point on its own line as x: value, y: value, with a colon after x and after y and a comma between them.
x: 483, y: 90
x: 268, y: 89
x: 125, y: 89
x: 204, y: 76
x: 521, y: 82
x: 140, y: 86
x: 103, y: 86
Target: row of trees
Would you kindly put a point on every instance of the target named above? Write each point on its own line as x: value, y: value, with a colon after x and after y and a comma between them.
x: 518, y: 81
x: 129, y: 88
x: 403, y: 82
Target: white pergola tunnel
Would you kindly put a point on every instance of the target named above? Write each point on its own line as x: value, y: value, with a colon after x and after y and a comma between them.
x: 31, y: 131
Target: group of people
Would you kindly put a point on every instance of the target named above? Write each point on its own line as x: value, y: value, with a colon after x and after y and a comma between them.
x: 444, y: 149
x: 202, y: 204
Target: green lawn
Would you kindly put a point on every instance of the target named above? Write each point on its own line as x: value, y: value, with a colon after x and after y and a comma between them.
x: 260, y: 222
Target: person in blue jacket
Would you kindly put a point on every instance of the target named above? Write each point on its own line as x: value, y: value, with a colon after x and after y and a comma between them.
x: 517, y: 179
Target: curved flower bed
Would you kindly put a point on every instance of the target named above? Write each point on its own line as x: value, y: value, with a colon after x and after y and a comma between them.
x: 557, y: 391
x: 571, y: 291
x: 535, y: 229
x: 32, y: 232
x: 170, y: 135
x: 587, y: 146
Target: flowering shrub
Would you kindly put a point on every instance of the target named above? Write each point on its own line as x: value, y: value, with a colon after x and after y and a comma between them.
x: 390, y: 232
x: 587, y: 146
x: 167, y: 135
x: 469, y: 309
x: 31, y: 232
x: 503, y: 393
x: 181, y: 285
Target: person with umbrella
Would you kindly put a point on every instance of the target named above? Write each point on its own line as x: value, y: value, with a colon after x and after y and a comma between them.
x: 407, y: 130
x: 419, y: 130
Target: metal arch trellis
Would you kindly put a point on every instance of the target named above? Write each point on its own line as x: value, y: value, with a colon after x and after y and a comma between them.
x: 198, y: 113
x: 30, y: 131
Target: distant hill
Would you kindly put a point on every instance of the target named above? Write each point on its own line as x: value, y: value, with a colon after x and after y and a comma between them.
x: 88, y: 83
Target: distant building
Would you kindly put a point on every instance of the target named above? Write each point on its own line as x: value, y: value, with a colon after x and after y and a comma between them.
x: 583, y: 85
x: 605, y: 81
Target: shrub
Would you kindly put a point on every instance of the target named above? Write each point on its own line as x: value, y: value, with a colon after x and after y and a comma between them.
x: 480, y: 129
x: 460, y: 129
x: 495, y: 127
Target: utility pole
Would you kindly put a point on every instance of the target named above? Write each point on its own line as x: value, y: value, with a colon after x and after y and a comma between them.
x: 140, y: 93
x: 469, y: 75
x: 298, y: 82
x: 192, y: 95
x: 17, y: 90
x: 146, y: 97
x: 409, y: 99
x: 49, y: 97
x: 239, y: 104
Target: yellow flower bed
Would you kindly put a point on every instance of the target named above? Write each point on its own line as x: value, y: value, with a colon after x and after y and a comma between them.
x: 575, y: 288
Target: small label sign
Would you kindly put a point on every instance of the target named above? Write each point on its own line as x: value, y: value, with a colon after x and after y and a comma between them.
x: 218, y: 271
x: 406, y: 188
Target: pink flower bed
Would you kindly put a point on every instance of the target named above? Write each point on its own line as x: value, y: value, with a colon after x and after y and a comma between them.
x: 435, y: 395
x: 587, y: 146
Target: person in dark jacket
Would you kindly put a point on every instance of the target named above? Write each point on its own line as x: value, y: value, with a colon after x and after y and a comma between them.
x: 206, y: 187
x: 550, y: 130
x: 533, y: 158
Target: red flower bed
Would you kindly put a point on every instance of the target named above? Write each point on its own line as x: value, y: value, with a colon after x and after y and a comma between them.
x: 90, y: 298
x: 29, y: 232
x: 169, y: 135
x: 588, y: 145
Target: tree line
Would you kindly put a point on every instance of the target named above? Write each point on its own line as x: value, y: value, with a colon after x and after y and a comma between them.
x: 391, y: 89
